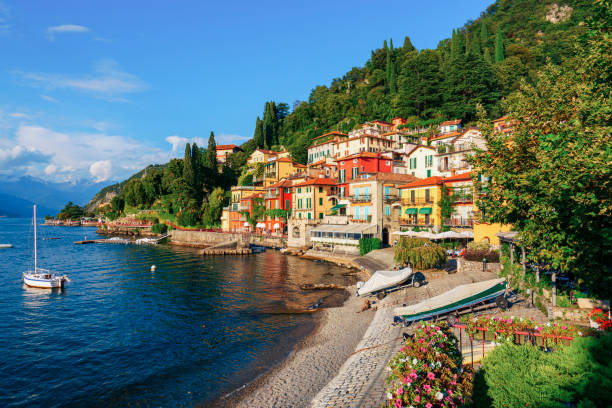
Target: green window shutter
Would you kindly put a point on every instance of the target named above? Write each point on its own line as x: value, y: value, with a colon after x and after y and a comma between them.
x: 320, y: 201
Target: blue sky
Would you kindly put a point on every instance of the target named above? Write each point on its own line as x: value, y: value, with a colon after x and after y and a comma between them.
x: 99, y: 89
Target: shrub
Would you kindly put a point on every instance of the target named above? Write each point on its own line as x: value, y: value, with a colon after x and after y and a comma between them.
x: 419, y: 252
x: 478, y: 255
x: 576, y: 375
x: 159, y: 228
x: 369, y: 244
x: 428, y: 371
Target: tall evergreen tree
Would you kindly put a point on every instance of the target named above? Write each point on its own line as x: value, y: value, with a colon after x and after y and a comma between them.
x: 198, y: 176
x: 484, y: 35
x: 391, y: 45
x: 467, y: 43
x: 270, y: 125
x: 456, y: 44
x: 487, y: 56
x: 499, y: 46
x: 388, y: 70
x: 408, y: 47
x: 392, y: 80
x: 475, y: 46
x: 258, y: 136
x: 211, y: 152
x: 188, y: 173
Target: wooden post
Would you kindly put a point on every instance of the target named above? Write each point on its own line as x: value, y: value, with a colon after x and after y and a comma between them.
x: 511, y: 266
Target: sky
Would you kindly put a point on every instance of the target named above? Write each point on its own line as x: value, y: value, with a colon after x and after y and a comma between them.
x: 97, y: 90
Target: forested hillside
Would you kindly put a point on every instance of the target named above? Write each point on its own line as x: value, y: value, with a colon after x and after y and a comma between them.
x: 483, y: 61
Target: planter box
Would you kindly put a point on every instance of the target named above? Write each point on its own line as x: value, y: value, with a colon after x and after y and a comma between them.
x: 585, y: 303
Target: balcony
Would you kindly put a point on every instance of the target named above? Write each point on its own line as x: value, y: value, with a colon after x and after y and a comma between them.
x: 271, y: 195
x: 271, y: 175
x: 367, y: 219
x: 360, y: 198
x: 453, y: 166
x: 417, y: 201
x: 415, y: 223
x: 391, y: 198
x: 459, y: 222
x: 462, y: 199
x: 234, y: 207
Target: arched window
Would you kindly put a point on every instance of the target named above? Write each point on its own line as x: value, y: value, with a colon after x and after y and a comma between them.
x: 296, y: 232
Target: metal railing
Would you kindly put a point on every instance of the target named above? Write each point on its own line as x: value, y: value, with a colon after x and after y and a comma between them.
x: 391, y: 198
x: 416, y: 201
x: 453, y: 166
x: 360, y: 198
x: 459, y: 222
x: 352, y: 218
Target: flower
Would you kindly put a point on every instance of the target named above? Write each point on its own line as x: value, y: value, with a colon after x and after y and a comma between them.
x: 428, y: 405
x: 400, y: 390
x: 427, y: 387
x: 439, y: 396
x: 430, y: 376
x: 417, y: 399
x: 398, y: 403
x: 414, y: 361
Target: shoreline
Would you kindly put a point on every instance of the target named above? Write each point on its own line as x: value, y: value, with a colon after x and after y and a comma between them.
x: 311, y: 365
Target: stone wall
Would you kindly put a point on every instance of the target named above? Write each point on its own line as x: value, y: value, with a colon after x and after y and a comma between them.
x: 473, y: 266
x: 205, y: 239
x: 126, y: 231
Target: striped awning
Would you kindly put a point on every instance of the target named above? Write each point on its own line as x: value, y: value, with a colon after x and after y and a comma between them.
x: 337, y: 207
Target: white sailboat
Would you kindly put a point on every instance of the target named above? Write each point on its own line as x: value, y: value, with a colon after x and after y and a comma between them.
x: 42, y: 278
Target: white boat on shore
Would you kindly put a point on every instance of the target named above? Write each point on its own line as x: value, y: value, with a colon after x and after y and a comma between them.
x: 42, y: 278
x: 381, y: 280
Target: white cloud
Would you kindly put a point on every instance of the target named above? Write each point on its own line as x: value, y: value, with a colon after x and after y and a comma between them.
x: 50, y: 169
x: 178, y: 143
x: 18, y: 115
x: 100, y: 170
x: 230, y: 139
x: 48, y: 98
x: 66, y: 28
x: 20, y: 156
x: 107, y: 81
x: 4, y: 18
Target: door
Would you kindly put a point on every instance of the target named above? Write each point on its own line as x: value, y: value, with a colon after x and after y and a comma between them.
x: 385, y: 237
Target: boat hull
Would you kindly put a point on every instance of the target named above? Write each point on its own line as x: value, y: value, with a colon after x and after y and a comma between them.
x: 38, y: 282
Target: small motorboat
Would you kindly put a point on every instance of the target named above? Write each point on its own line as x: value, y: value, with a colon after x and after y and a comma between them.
x: 42, y: 278
x: 450, y: 302
x: 382, y: 280
x: 6, y: 245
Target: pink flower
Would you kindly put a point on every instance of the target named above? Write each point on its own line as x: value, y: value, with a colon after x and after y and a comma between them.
x: 430, y: 376
x: 428, y: 405
x: 450, y: 392
x: 398, y: 403
x: 417, y: 399
x: 564, y: 328
x: 400, y: 390
x: 427, y: 387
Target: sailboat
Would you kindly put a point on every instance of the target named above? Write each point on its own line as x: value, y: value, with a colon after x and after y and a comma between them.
x: 42, y: 278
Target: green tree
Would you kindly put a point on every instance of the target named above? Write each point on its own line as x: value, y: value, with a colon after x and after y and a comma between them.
x: 484, y: 35
x: 551, y: 178
x: 134, y: 193
x: 213, y: 208
x: 499, y: 46
x: 117, y: 204
x: 210, y: 160
x: 259, y: 134
x: 475, y: 46
x: 188, y: 172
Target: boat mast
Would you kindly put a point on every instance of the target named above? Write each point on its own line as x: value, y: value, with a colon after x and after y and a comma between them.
x: 35, y: 258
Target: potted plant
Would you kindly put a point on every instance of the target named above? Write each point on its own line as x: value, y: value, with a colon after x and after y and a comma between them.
x: 599, y: 320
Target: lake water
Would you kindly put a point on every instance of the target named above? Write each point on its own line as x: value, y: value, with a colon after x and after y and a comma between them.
x: 120, y: 335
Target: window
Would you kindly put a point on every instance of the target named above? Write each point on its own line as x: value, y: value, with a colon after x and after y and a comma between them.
x: 287, y: 205
x: 387, y: 210
x: 429, y: 173
x: 299, y: 190
x: 366, y: 213
x: 426, y: 219
x: 356, y: 213
x: 320, y: 200
x: 309, y: 216
x: 427, y: 197
x: 354, y: 172
x: 320, y: 216
x: 320, y: 189
x: 342, y: 176
x: 412, y: 194
x: 354, y: 160
x: 388, y: 163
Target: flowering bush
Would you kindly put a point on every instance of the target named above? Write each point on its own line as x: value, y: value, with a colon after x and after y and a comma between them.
x: 599, y: 317
x: 428, y: 371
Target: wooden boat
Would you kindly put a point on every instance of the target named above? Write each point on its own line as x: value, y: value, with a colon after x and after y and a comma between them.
x: 42, y: 278
x: 382, y: 280
x: 453, y: 300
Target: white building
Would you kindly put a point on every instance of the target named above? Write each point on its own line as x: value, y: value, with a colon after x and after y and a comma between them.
x: 421, y: 162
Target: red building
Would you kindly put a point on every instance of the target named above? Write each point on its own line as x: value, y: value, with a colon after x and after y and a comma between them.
x: 278, y: 197
x: 350, y: 167
x: 247, y: 205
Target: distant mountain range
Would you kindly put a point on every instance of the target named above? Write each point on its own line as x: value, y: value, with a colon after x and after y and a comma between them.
x: 17, y: 196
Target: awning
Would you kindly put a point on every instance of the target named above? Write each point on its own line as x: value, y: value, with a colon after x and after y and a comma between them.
x: 260, y: 225
x: 411, y: 210
x: 276, y: 226
x: 346, y: 228
x: 246, y: 224
x: 337, y: 207
x: 425, y: 211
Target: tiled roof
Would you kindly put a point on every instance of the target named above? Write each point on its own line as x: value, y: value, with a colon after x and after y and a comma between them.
x: 316, y: 182
x: 381, y: 122
x: 357, y: 155
x: 267, y: 151
x: 430, y: 181
x: 503, y: 118
x: 390, y: 177
x: 227, y: 147
x: 459, y: 177
x: 284, y: 160
x: 282, y: 183
x: 446, y: 135
x: 335, y: 132
x: 451, y: 122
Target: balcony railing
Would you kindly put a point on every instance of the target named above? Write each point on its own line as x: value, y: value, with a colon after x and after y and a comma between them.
x: 360, y: 198
x: 462, y: 199
x: 459, y: 222
x: 271, y: 175
x: 416, y: 201
x: 367, y: 219
x: 453, y: 166
x: 391, y: 198
x: 257, y: 179
x: 412, y: 222
x: 271, y: 195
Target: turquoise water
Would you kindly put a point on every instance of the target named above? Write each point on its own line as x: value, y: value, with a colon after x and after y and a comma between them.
x: 120, y: 335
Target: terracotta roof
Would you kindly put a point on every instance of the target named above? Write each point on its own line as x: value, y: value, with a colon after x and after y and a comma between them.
x: 284, y: 160
x: 380, y: 121
x: 282, y: 183
x: 299, y: 166
x: 356, y: 155
x: 503, y: 118
x: 268, y: 151
x: 451, y: 122
x: 227, y: 147
x: 322, y: 161
x: 430, y: 181
x: 335, y: 132
x: 416, y: 148
x: 459, y: 177
x: 319, y: 181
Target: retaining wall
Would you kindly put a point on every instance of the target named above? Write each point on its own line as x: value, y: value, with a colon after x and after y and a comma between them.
x: 473, y: 266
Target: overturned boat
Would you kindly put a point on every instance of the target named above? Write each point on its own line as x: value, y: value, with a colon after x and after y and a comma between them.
x: 455, y: 299
x: 382, y: 280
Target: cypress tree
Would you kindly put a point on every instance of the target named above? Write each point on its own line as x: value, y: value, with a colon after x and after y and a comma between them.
x: 188, y: 173
x: 388, y: 69
x: 467, y: 43
x: 270, y: 130
x: 487, y: 56
x: 499, y: 46
x: 475, y: 46
x: 392, y: 79
x: 484, y: 35
x: 259, y: 136
x: 391, y: 45
x: 211, y: 153
x: 196, y: 165
x: 408, y: 47
x: 456, y: 44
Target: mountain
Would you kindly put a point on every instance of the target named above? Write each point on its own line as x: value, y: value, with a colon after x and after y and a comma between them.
x: 48, y: 195
x: 11, y: 206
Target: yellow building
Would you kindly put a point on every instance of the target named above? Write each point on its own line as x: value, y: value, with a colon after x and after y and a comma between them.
x: 278, y: 169
x: 420, y: 203
x: 311, y: 199
x: 261, y: 156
